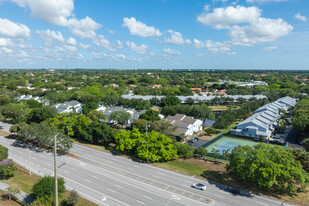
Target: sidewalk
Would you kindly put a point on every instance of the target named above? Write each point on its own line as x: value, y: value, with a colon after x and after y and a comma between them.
x: 22, y: 196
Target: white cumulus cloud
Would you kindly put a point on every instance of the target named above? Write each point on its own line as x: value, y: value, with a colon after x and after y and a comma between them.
x: 260, y: 31
x: 300, y: 17
x: 245, y: 25
x: 213, y: 47
x: 270, y: 48
x: 141, y: 49
x: 176, y: 38
x: 54, y: 12
x: 15, y: 30
x: 139, y: 28
x: 222, y: 17
x: 172, y: 52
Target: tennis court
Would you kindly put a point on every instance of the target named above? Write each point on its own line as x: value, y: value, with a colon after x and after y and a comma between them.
x: 225, y: 143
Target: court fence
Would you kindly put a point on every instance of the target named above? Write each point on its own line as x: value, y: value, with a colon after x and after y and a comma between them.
x: 219, y: 136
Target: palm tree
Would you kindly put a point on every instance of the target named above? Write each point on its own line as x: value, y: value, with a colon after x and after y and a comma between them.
x: 226, y: 154
x: 216, y: 153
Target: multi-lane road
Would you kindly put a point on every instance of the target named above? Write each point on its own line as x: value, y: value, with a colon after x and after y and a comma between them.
x: 107, y: 179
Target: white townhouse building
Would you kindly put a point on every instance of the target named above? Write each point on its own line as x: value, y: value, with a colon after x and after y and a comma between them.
x: 185, y: 124
x: 108, y: 110
x: 264, y: 120
x: 71, y: 106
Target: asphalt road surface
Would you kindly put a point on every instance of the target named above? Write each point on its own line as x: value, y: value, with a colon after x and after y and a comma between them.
x: 107, y: 179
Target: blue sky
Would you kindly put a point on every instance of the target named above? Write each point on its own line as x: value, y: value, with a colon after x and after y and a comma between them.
x: 155, y: 34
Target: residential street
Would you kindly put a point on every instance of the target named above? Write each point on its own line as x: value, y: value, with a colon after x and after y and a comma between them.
x: 113, y: 180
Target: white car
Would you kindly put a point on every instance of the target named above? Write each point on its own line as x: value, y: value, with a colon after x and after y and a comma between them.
x: 199, y: 186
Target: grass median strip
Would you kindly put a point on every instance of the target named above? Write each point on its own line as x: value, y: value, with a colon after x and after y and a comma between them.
x: 23, y: 181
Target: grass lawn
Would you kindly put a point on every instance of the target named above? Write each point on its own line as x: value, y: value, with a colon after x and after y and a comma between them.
x: 23, y: 181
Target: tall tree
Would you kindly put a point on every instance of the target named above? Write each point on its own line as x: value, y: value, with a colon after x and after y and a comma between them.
x: 120, y: 117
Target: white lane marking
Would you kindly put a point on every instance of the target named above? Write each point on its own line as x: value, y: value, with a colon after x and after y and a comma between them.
x: 261, y: 203
x: 95, y: 177
x: 188, y: 182
x: 77, y: 148
x: 119, y: 186
x: 41, y: 156
x: 135, y: 166
x: 19, y: 151
x: 156, y: 176
x: 48, y: 164
x: 160, y: 173
x: 87, y: 180
x: 34, y: 158
x: 111, y: 190
x: 222, y: 191
x: 94, y: 191
x: 147, y: 197
x: 91, y: 156
x: 140, y: 202
x: 73, y: 168
x: 219, y: 196
x: 184, y: 185
x: 130, y: 169
x: 66, y: 172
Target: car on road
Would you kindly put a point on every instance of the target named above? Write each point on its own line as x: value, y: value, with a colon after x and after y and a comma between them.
x: 233, y: 190
x: 1, y: 127
x: 19, y: 144
x: 199, y: 186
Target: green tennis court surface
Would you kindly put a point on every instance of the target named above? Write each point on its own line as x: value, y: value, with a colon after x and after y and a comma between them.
x: 228, y: 143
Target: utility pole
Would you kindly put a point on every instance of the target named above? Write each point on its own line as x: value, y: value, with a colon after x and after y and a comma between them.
x: 29, y: 162
x: 55, y: 169
x: 146, y: 141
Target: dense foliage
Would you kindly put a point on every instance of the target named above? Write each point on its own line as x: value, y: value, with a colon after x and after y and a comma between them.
x: 160, y: 147
x: 45, y: 188
x: 301, y: 116
x: 3, y: 152
x: 267, y: 166
x: 7, y: 169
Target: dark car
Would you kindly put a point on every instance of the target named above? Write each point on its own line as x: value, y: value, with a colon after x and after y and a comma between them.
x: 1, y: 127
x: 197, y: 139
x: 233, y: 190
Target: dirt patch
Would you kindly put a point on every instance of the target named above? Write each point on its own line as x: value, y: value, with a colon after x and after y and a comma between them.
x: 4, y: 133
x: 72, y: 155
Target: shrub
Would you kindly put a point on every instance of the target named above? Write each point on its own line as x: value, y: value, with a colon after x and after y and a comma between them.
x: 45, y: 188
x: 184, y: 150
x: 43, y: 202
x: 3, y: 153
x: 72, y: 199
x: 306, y: 144
x: 200, y: 152
x: 7, y: 169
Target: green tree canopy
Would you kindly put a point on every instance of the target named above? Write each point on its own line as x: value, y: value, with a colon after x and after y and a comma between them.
x: 267, y: 166
x: 150, y: 115
x: 120, y: 117
x: 160, y: 147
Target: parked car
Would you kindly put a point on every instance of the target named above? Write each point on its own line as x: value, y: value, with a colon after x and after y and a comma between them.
x: 199, y: 186
x: 19, y: 144
x: 233, y: 190
x: 196, y: 139
x: 1, y: 127
x: 193, y: 140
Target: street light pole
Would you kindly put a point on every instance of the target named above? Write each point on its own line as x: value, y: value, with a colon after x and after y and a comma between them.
x: 55, y: 169
x: 29, y: 162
